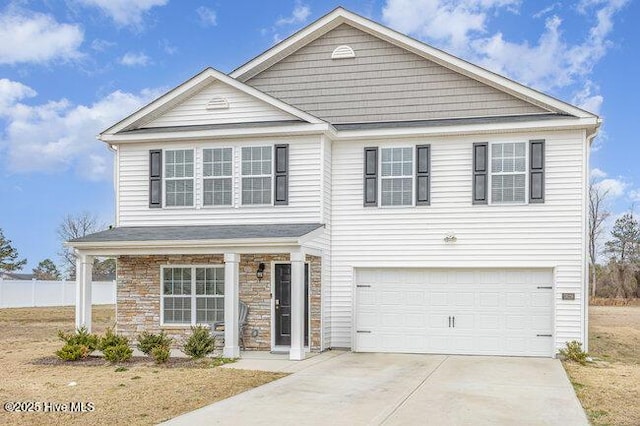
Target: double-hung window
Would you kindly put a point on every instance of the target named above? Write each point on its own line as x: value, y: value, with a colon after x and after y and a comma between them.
x: 217, y: 183
x: 396, y: 177
x: 257, y: 175
x: 508, y: 172
x: 192, y: 294
x: 179, y: 178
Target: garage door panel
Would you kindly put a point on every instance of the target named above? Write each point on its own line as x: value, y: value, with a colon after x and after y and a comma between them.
x: 497, y: 312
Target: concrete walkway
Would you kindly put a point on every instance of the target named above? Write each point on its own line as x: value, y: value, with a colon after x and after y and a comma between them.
x: 343, y: 388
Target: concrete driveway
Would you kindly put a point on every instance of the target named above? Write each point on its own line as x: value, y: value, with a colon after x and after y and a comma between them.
x: 396, y: 389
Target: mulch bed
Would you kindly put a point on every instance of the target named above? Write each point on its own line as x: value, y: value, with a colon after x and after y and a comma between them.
x: 96, y: 361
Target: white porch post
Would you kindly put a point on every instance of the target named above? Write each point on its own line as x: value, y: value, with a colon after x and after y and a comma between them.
x: 297, y: 306
x: 84, y: 271
x: 231, y: 304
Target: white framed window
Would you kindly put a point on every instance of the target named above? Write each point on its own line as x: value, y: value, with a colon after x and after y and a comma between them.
x: 179, y: 178
x: 217, y: 181
x: 396, y: 176
x: 257, y: 174
x: 192, y: 295
x: 508, y: 172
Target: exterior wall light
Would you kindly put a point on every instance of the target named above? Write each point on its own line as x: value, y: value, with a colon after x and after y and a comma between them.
x: 260, y: 271
x: 450, y: 238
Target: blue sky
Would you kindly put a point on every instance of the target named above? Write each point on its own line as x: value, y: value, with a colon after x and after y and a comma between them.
x: 71, y: 68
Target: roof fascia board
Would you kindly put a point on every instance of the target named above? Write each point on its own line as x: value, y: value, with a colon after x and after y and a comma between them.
x: 239, y: 242
x: 467, y: 129
x: 208, y: 76
x: 340, y: 15
x: 187, y: 135
x: 154, y: 250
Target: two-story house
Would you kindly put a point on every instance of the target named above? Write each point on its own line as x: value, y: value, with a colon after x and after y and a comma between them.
x: 355, y: 188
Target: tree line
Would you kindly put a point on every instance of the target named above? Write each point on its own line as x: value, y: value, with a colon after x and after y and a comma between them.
x: 72, y: 226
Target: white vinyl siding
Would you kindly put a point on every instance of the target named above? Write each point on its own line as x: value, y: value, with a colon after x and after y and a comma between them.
x: 548, y: 235
x: 179, y: 178
x: 242, y: 108
x: 217, y: 172
x: 304, y: 186
x: 192, y: 294
x: 508, y: 172
x: 257, y: 175
x: 396, y: 176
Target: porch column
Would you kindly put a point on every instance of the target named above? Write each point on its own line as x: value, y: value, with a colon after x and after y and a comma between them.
x: 84, y: 272
x: 297, y: 306
x: 231, y: 304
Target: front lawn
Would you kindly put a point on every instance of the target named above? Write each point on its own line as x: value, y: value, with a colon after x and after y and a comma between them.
x: 135, y: 393
x: 609, y: 388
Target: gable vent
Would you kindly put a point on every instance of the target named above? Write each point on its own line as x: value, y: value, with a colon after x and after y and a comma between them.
x: 342, y: 52
x: 218, y: 103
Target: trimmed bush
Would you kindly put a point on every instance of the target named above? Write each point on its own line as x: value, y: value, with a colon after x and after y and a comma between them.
x: 147, y: 342
x: 200, y: 343
x: 160, y: 354
x: 111, y: 339
x: 118, y: 353
x: 574, y: 352
x: 72, y: 352
x: 81, y: 337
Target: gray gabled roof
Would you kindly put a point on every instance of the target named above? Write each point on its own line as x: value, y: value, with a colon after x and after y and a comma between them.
x: 202, y: 232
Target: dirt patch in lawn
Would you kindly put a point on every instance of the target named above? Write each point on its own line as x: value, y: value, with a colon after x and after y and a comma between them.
x: 609, y: 389
x: 138, y: 392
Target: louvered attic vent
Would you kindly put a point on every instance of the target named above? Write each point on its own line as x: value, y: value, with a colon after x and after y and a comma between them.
x: 342, y: 52
x: 218, y: 103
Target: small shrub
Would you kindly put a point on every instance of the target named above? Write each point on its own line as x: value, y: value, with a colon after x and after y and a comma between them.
x: 574, y: 352
x: 200, y: 343
x: 81, y: 337
x: 111, y: 339
x: 118, y: 353
x: 72, y: 352
x: 160, y: 354
x: 149, y: 341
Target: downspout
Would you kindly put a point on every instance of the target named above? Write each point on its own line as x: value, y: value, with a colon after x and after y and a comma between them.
x: 590, y: 136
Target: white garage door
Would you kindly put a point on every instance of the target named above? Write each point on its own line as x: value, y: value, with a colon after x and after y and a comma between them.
x: 476, y: 312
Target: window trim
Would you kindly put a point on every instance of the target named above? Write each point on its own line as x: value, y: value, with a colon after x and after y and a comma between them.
x: 202, y: 178
x: 412, y: 148
x: 241, y: 176
x: 193, y: 293
x: 165, y: 179
x: 490, y: 201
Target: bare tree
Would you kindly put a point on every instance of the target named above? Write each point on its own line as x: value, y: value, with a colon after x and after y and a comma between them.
x: 76, y: 226
x: 597, y: 215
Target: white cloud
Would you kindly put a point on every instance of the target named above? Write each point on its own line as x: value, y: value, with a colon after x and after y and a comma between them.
x: 31, y: 37
x: 549, y: 63
x: 12, y: 92
x: 598, y: 174
x: 299, y: 15
x: 101, y: 45
x: 135, y: 59
x: 125, y: 12
x: 634, y: 195
x: 614, y: 188
x: 57, y: 136
x: 207, y: 17
x: 167, y: 47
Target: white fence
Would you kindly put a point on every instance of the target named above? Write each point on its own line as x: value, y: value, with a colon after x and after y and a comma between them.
x: 27, y: 294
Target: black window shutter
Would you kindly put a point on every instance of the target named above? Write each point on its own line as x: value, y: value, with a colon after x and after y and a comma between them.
x: 371, y: 176
x: 536, y: 171
x: 155, y: 178
x: 423, y: 175
x: 281, y: 175
x: 480, y: 172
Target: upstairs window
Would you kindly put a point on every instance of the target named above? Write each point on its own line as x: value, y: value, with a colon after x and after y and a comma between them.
x: 396, y: 167
x: 217, y: 183
x: 179, y: 178
x: 256, y: 175
x: 508, y: 172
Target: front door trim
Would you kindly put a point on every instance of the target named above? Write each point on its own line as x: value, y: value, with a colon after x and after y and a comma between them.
x: 274, y: 347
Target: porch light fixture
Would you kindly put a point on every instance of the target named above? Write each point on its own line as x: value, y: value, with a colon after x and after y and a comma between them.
x: 450, y: 238
x: 260, y: 271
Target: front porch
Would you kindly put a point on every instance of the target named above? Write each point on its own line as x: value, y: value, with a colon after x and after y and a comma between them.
x: 162, y: 287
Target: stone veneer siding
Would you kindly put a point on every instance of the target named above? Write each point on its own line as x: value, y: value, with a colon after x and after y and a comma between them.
x: 138, y: 295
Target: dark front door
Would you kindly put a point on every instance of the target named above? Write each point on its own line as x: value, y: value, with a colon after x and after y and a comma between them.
x: 282, y: 300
